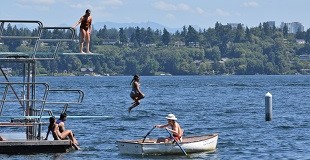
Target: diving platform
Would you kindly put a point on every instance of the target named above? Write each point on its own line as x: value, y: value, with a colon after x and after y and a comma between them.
x: 27, y: 56
x: 26, y: 105
x: 40, y: 40
x: 36, y: 146
x: 84, y: 54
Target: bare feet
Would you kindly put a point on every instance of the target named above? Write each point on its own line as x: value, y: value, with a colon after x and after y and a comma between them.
x: 76, y: 147
x: 129, y: 109
x: 2, y: 139
x: 135, y: 104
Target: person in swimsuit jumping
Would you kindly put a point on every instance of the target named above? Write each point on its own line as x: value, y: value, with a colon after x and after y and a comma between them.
x: 85, y: 30
x: 176, y: 129
x: 135, y: 94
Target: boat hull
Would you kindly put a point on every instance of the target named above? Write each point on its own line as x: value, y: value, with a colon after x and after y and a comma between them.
x: 150, y: 147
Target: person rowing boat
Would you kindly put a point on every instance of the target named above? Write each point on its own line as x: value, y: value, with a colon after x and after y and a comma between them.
x: 175, y: 128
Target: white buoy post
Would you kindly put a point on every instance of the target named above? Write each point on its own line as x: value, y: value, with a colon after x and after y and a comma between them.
x: 268, y: 107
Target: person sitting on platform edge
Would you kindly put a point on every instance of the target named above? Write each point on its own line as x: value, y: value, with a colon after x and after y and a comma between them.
x: 53, y: 127
x: 61, y: 121
x: 85, y: 30
x: 176, y: 129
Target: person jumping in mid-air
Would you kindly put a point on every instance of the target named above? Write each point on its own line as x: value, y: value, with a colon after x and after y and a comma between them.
x: 135, y: 93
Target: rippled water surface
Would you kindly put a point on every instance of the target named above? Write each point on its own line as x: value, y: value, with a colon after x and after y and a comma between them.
x: 233, y: 106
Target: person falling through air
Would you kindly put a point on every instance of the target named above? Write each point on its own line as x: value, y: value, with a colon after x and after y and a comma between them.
x: 135, y: 94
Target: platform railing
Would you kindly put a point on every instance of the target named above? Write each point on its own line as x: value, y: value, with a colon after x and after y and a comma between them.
x: 22, y: 100
x: 2, y: 22
x: 58, y: 41
x: 38, y: 38
x: 44, y: 100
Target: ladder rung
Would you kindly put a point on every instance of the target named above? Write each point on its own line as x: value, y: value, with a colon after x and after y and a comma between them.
x: 20, y: 37
x: 8, y: 124
x: 55, y: 40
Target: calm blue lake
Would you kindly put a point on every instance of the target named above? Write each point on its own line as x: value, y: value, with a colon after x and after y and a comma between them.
x: 233, y: 106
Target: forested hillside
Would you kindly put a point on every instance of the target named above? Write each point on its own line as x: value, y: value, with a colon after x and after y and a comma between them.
x: 219, y: 50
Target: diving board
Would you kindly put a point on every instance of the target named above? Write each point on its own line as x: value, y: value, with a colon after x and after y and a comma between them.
x: 73, y: 117
x: 15, y: 55
x: 86, y: 54
x: 44, y: 53
x: 24, y: 56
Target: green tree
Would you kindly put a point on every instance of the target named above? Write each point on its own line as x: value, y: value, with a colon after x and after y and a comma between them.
x: 285, y: 30
x: 166, y: 37
x: 122, y: 36
x: 191, y: 36
x: 103, y: 33
x: 149, y: 37
x: 239, y: 35
x: 213, y: 53
x: 138, y: 36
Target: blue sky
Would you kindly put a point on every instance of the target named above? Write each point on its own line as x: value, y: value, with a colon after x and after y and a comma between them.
x: 170, y: 13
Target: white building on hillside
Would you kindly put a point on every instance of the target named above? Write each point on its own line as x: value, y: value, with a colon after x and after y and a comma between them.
x: 293, y: 27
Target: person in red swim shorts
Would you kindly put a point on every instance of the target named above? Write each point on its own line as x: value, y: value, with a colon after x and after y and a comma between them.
x: 173, y: 127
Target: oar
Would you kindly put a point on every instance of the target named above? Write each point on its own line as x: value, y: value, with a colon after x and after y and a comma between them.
x: 148, y: 134
x: 176, y: 142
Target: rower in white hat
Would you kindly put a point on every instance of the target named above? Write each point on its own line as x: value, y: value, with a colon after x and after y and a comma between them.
x: 172, y: 126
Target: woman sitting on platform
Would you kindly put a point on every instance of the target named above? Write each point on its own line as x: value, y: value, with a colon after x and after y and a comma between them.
x: 53, y: 127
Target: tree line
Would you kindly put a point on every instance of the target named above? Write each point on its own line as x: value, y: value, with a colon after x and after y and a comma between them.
x: 126, y: 51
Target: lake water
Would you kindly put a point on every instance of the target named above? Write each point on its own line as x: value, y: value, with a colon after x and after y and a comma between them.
x: 233, y: 106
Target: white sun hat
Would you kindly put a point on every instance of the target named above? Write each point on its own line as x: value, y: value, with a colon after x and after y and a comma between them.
x: 171, y: 117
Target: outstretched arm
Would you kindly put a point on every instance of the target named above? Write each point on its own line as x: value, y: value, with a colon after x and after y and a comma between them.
x: 162, y: 126
x: 77, y: 23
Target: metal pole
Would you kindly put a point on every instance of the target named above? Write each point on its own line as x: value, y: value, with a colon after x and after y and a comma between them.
x: 268, y: 107
x: 33, y: 109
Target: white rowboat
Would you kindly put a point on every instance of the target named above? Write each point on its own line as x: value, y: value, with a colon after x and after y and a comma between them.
x: 150, y: 147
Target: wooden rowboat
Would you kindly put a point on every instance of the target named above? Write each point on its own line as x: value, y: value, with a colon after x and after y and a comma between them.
x: 192, y: 144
